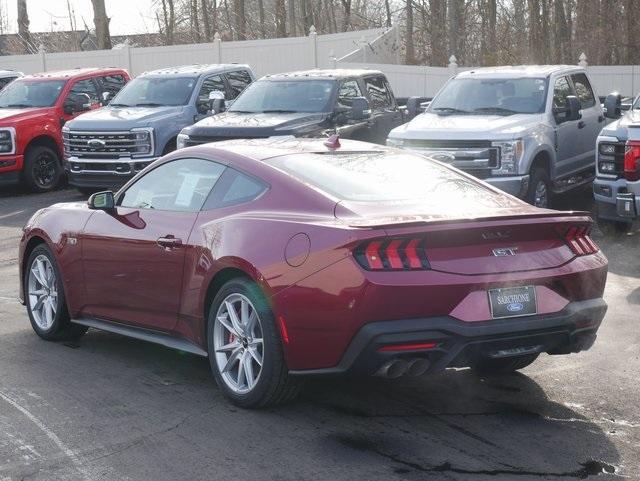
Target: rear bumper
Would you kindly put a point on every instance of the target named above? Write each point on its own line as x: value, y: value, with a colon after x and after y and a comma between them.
x: 458, y: 343
x: 608, y: 193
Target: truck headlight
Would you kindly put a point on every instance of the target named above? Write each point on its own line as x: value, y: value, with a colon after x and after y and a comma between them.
x: 142, y: 142
x: 395, y: 142
x: 7, y: 140
x: 181, y: 141
x: 510, y: 155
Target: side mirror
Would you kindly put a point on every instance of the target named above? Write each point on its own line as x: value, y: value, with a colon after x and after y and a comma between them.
x: 106, y: 97
x: 613, y: 106
x: 102, y: 201
x: 360, y: 109
x: 573, y: 108
x: 76, y: 103
x: 415, y: 105
x: 216, y: 101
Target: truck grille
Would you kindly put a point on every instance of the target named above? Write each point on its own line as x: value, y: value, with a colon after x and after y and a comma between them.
x: 474, y: 156
x: 107, y: 145
x: 616, y: 158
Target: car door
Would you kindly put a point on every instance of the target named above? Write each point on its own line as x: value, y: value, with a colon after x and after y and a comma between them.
x: 209, y: 84
x: 384, y: 112
x: 590, y: 124
x: 85, y: 88
x: 346, y: 127
x: 133, y: 256
x: 567, y: 131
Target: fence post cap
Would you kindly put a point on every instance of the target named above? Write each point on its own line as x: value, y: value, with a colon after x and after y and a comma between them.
x: 312, y: 30
x: 216, y: 36
x: 453, y: 61
x: 582, y: 60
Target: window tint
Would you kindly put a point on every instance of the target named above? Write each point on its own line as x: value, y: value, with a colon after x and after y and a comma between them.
x: 180, y: 185
x: 348, y: 91
x: 31, y: 93
x: 234, y: 188
x: 561, y: 90
x: 209, y: 85
x: 85, y: 87
x: 583, y: 90
x: 238, y: 81
x: 306, y: 95
x: 112, y: 83
x: 379, y: 92
x: 145, y: 91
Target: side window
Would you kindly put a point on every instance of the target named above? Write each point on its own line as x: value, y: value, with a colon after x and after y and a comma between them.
x: 209, y: 85
x: 379, y: 93
x: 561, y: 90
x: 112, y: 83
x: 87, y: 87
x: 583, y: 90
x: 181, y: 185
x: 234, y: 188
x: 238, y: 81
x: 348, y: 91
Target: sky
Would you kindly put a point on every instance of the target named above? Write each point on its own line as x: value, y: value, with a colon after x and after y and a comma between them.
x: 127, y: 16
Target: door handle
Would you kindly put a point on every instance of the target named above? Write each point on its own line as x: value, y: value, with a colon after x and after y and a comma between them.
x: 169, y: 242
x: 581, y: 124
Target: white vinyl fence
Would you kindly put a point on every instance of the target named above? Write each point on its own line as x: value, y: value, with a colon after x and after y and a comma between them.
x: 377, y: 49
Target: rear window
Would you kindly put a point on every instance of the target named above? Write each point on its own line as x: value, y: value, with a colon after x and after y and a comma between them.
x: 377, y: 176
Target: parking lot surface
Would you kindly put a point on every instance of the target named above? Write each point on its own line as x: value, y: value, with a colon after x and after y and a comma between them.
x: 111, y: 408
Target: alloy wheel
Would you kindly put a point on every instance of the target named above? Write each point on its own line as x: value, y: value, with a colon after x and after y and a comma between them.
x: 541, y: 198
x: 44, y: 169
x: 238, y: 343
x: 43, y: 292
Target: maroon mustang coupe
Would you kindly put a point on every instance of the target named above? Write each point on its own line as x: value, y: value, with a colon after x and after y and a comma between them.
x: 279, y: 258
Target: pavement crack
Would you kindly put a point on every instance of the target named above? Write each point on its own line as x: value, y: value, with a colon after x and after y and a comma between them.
x: 588, y: 468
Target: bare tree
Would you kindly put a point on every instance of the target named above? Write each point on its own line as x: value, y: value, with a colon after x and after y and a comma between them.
x: 101, y: 22
x: 281, y: 18
x: 23, y: 27
x: 410, y: 53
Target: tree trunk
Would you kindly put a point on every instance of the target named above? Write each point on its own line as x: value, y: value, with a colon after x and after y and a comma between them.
x: 23, y: 27
x: 293, y: 21
x: 456, y: 29
x: 206, y: 20
x: 101, y: 22
x: 240, y: 19
x: 437, y: 32
x: 281, y: 19
x: 387, y: 10
x: 263, y: 33
x: 410, y: 51
x: 346, y: 22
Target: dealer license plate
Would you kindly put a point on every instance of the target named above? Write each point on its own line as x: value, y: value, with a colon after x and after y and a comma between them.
x: 513, y: 302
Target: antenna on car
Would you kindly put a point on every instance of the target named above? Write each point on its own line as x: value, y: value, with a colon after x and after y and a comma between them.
x: 333, y: 142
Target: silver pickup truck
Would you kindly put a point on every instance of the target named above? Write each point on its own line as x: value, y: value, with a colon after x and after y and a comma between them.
x: 530, y: 131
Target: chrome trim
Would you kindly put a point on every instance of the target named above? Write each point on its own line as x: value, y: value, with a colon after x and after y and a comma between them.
x: 12, y: 134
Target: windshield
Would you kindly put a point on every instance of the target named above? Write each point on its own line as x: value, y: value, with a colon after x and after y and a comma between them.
x: 24, y: 94
x: 378, y: 177
x: 285, y: 96
x: 498, y: 96
x: 153, y: 91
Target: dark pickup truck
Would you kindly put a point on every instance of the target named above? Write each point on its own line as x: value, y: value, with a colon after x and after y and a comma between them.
x: 357, y: 104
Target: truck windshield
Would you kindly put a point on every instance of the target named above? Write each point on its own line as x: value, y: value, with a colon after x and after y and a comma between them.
x: 497, y: 96
x: 155, y: 92
x: 284, y: 96
x: 25, y: 94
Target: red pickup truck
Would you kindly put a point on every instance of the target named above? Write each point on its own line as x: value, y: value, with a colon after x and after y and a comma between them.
x: 33, y: 110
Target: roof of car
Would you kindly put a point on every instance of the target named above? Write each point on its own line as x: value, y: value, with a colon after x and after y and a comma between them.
x: 195, y: 70
x: 76, y: 72
x: 10, y: 73
x: 520, y: 70
x: 262, y: 149
x: 326, y: 73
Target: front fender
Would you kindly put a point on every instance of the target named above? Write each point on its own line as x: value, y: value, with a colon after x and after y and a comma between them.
x: 541, y: 140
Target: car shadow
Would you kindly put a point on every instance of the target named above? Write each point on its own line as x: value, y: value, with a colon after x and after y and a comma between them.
x: 451, y: 425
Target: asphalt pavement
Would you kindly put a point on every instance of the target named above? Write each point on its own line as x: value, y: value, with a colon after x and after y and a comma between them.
x: 111, y: 408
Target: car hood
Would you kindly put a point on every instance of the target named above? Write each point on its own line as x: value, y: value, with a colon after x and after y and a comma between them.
x: 232, y: 124
x: 123, y: 118
x: 494, y: 127
x: 16, y: 115
x: 619, y: 127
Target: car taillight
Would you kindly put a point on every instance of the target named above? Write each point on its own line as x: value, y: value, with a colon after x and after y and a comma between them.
x: 401, y: 254
x: 632, y: 160
x: 577, y: 238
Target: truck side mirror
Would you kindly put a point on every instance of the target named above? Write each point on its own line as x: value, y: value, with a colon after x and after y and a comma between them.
x: 613, y: 106
x: 415, y: 105
x: 76, y: 103
x: 216, y: 101
x: 106, y: 98
x: 573, y: 108
x: 360, y: 109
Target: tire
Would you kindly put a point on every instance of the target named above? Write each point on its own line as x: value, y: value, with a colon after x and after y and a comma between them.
x: 50, y: 323
x: 539, y: 180
x: 504, y: 365
x: 42, y: 169
x: 271, y: 381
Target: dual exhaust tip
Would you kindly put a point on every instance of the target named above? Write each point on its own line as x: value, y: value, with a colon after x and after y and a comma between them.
x: 396, y: 368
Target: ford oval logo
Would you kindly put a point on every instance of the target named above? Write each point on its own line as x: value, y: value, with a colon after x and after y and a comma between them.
x: 446, y: 157
x: 96, y: 143
x: 515, y: 307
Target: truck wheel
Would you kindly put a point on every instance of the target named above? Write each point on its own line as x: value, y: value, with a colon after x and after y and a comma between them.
x: 42, y: 170
x: 539, y: 192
